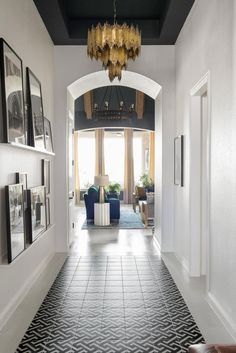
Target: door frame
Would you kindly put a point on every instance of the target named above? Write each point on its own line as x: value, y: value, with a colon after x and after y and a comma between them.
x: 195, y: 160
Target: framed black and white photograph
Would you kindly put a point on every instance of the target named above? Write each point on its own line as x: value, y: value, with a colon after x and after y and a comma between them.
x: 12, y: 109
x: 15, y: 221
x: 178, y: 160
x: 46, y: 175
x: 48, y: 213
x: 37, y: 214
x: 21, y: 178
x: 38, y: 132
x: 48, y: 135
x: 36, y: 120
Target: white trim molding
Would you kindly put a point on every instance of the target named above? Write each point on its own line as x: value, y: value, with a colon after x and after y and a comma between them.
x: 100, y: 79
x: 198, y: 90
x: 222, y: 315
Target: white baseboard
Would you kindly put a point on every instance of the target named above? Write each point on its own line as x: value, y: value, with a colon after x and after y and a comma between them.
x: 183, y: 262
x: 19, y: 296
x: 156, y: 243
x: 222, y: 315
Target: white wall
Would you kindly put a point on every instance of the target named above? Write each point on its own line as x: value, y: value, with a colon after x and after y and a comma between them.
x: 72, y: 63
x: 207, y: 42
x: 22, y: 27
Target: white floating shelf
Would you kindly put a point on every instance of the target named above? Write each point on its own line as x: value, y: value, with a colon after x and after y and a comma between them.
x: 29, y: 148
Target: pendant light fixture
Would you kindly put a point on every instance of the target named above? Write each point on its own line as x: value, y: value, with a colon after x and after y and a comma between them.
x: 114, y: 45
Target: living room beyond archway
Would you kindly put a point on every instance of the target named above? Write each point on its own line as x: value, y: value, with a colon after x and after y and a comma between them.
x: 115, y: 126
x: 125, y: 126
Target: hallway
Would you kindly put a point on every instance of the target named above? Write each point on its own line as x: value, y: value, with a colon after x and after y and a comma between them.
x: 102, y: 302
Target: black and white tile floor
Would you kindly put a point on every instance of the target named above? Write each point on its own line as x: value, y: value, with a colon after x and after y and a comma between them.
x: 126, y: 304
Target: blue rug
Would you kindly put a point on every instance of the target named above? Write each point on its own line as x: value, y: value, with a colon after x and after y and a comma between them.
x: 128, y: 220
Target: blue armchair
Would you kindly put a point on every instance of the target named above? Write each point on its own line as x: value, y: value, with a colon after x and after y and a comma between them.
x: 92, y: 196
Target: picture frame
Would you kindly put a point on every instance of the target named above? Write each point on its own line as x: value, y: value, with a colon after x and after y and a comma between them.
x: 48, y: 135
x: 22, y: 178
x: 46, y: 174
x: 35, y: 111
x: 15, y: 220
x: 12, y: 107
x: 37, y: 212
x: 48, y: 212
x: 178, y: 160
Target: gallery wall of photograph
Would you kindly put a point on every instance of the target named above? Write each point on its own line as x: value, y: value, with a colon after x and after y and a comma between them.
x: 26, y: 137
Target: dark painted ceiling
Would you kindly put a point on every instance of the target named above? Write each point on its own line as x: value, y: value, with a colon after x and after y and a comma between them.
x: 114, y: 94
x: 68, y: 21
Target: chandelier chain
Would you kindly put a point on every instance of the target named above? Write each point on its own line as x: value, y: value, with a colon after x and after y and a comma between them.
x: 114, y: 7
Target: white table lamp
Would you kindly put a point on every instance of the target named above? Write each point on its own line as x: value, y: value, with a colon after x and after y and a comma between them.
x: 101, y: 181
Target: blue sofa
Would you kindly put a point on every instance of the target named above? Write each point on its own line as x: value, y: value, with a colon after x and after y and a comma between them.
x: 92, y: 196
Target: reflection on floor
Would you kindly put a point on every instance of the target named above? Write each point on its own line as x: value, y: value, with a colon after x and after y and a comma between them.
x: 110, y: 241
x: 112, y: 304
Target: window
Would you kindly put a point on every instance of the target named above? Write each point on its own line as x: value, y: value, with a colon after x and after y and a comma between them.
x: 86, y: 158
x: 114, y: 156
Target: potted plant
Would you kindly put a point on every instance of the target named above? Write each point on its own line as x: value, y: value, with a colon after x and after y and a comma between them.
x: 114, y: 190
x: 147, y: 182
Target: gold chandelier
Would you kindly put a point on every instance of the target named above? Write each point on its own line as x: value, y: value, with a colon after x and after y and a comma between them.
x: 114, y: 45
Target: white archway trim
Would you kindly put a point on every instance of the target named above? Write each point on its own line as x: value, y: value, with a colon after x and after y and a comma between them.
x: 153, y: 90
x: 100, y: 79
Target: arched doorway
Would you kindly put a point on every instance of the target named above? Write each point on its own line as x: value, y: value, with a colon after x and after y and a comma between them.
x: 132, y: 80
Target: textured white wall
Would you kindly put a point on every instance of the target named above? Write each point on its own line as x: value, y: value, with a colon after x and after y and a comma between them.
x: 22, y: 27
x: 207, y: 42
x: 72, y: 63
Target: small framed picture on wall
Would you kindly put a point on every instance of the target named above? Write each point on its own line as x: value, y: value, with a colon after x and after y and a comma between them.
x: 178, y: 160
x: 46, y: 175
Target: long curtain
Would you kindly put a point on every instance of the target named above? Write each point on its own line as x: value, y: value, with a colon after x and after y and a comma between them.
x: 129, y: 167
x: 100, y: 159
x: 152, y: 155
x: 76, y: 168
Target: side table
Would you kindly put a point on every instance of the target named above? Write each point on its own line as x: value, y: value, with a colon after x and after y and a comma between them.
x: 147, y: 212
x: 102, y: 214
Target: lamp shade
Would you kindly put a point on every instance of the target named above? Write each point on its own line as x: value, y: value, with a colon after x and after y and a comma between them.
x: 101, y: 180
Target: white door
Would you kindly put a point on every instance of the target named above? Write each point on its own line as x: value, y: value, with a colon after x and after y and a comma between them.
x: 71, y: 178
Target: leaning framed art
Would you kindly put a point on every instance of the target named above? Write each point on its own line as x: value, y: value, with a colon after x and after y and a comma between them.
x: 21, y: 178
x: 48, y: 135
x: 15, y: 221
x: 46, y: 174
x: 178, y: 160
x: 12, y: 107
x: 48, y: 212
x: 35, y: 103
x: 37, y: 216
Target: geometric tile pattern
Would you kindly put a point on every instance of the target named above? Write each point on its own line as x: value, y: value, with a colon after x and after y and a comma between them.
x: 112, y: 304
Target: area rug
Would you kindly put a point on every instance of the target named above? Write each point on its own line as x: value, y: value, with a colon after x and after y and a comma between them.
x: 128, y: 220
